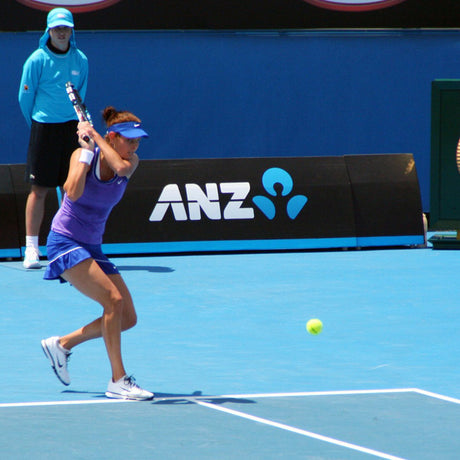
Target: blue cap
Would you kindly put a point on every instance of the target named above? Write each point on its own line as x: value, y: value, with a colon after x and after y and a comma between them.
x: 59, y: 17
x: 129, y: 129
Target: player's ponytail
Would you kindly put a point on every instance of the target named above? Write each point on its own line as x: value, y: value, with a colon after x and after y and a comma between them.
x: 112, y: 116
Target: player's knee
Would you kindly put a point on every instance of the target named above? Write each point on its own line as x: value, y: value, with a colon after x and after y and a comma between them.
x: 129, y: 320
x: 114, y: 305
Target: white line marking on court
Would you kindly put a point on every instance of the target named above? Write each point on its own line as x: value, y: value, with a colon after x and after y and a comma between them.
x: 312, y: 393
x: 188, y: 397
x: 65, y: 403
x: 237, y: 396
x: 309, y: 434
x: 437, y: 396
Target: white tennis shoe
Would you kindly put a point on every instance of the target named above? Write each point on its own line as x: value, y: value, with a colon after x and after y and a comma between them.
x: 126, y: 388
x: 32, y: 258
x: 58, y: 357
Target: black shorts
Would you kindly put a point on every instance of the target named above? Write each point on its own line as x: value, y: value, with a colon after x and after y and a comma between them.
x: 50, y: 148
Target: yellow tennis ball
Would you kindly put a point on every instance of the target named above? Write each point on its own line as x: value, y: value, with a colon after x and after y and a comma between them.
x: 314, y: 326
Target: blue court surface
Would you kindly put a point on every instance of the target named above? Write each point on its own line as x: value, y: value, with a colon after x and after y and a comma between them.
x: 221, y: 340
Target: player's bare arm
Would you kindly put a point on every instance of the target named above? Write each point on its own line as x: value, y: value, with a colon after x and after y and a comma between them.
x: 76, y: 179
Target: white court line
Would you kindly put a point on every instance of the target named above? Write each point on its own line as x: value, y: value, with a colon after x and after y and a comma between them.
x: 437, y: 396
x: 65, y: 403
x: 193, y: 398
x: 309, y: 434
x: 314, y: 393
x: 201, y: 400
x: 238, y: 396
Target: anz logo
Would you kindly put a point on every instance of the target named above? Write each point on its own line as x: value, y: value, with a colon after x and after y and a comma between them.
x: 199, y: 202
x: 272, y: 177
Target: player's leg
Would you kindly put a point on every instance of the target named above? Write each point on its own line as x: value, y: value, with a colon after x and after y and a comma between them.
x: 129, y: 318
x: 93, y: 330
x: 111, y: 292
x: 89, y: 279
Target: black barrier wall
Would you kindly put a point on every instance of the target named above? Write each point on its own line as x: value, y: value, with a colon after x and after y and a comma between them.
x: 243, y: 198
x: 9, y: 233
x: 386, y: 199
x: 250, y: 204
x: 13, y: 196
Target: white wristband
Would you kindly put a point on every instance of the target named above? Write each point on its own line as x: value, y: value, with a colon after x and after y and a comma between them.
x: 86, y: 156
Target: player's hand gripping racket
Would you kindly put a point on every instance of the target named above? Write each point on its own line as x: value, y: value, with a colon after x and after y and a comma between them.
x: 78, y: 105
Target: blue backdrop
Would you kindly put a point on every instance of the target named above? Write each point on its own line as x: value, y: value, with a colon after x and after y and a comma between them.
x: 237, y: 94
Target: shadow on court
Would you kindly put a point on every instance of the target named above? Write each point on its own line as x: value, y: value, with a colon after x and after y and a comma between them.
x: 182, y: 400
x: 172, y: 398
x: 145, y: 268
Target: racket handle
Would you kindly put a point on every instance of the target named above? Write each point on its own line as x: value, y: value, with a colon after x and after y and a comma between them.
x: 85, y: 137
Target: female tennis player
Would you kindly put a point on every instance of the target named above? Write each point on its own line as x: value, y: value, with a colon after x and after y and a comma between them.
x: 98, y: 174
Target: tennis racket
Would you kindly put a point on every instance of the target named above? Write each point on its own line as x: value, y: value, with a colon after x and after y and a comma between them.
x: 78, y: 105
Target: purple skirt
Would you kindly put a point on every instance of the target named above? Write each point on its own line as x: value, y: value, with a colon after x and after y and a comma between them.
x: 64, y: 253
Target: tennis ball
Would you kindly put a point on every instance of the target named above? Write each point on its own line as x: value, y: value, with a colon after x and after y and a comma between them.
x: 314, y: 326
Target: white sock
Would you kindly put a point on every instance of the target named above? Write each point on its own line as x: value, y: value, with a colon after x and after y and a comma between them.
x: 32, y: 242
x: 63, y: 349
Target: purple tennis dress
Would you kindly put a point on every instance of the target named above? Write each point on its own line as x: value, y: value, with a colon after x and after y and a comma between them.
x: 78, y: 226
